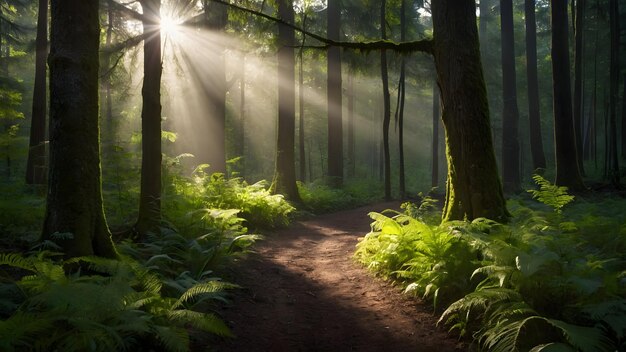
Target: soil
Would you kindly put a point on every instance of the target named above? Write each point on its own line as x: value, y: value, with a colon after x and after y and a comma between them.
x: 304, y: 292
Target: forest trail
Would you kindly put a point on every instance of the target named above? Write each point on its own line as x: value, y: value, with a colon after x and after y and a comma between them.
x: 304, y: 292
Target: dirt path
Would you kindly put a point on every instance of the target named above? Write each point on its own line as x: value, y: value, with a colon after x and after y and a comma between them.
x: 305, y: 293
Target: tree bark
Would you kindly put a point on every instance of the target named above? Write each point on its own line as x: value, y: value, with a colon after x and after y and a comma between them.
x: 149, y: 217
x: 285, y: 172
x: 335, y: 128
x: 435, y: 143
x: 213, y: 148
x: 351, y: 150
x: 567, y: 171
x: 624, y: 119
x: 534, y: 115
x: 386, y: 102
x: 614, y: 175
x: 473, y: 188
x: 301, y: 147
x: 510, y: 113
x: 578, y: 79
x: 400, y: 108
x: 74, y: 200
x: 35, y: 165
x: 240, y: 142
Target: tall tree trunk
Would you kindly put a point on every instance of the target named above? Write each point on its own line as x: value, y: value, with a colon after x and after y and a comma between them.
x: 351, y: 150
x: 435, y: 145
x: 473, y: 189
x: 285, y: 172
x: 483, y: 6
x: 534, y: 116
x: 386, y: 101
x: 510, y: 113
x: 106, y: 100
x: 335, y: 129
x: 301, y: 149
x: 567, y: 171
x: 624, y: 119
x: 578, y: 80
x: 149, y: 217
x: 214, y: 148
x: 400, y: 108
x: 74, y: 200
x: 614, y: 90
x: 240, y: 142
x: 36, y: 152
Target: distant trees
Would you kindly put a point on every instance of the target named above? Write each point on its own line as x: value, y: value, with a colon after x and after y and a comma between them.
x: 284, y: 181
x: 386, y: 101
x: 510, y: 113
x: 74, y: 217
x: 400, y: 106
x: 35, y: 165
x: 534, y: 116
x: 213, y: 147
x: 614, y: 62
x: 334, y: 101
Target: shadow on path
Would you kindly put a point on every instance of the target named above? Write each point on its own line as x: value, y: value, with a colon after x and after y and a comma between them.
x: 304, y: 292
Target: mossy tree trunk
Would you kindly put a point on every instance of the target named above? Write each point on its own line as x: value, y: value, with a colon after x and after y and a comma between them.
x: 74, y: 200
x: 335, y: 124
x: 149, y: 217
x: 284, y: 181
x: 473, y: 188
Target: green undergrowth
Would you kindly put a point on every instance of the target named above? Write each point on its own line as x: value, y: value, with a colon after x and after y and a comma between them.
x: 21, y: 213
x: 319, y: 198
x: 156, y: 297
x: 554, y: 279
x: 260, y: 208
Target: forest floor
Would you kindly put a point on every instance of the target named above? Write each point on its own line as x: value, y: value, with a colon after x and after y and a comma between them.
x: 303, y: 291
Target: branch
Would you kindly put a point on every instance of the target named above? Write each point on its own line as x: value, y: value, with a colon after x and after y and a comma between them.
x: 128, y: 43
x: 126, y: 11
x: 424, y: 45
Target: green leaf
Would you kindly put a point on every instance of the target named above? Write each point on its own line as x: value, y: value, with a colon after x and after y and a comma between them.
x: 553, y: 347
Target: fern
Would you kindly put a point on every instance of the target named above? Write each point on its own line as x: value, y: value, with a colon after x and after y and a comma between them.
x: 551, y: 195
x: 197, y: 291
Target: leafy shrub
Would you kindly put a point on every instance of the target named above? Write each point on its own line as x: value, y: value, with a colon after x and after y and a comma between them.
x: 260, y: 208
x: 117, y: 305
x: 319, y: 198
x: 545, y: 282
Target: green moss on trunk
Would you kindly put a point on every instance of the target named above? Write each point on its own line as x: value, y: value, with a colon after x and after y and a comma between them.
x: 474, y: 188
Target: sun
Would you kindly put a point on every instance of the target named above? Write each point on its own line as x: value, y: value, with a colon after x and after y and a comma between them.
x: 169, y: 26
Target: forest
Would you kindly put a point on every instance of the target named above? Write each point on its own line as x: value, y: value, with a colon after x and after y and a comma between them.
x: 313, y: 175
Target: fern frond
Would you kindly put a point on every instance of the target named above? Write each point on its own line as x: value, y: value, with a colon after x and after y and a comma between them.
x: 20, y: 330
x: 201, y: 321
x: 16, y: 260
x: 173, y: 339
x: 553, y: 347
x: 200, y: 289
